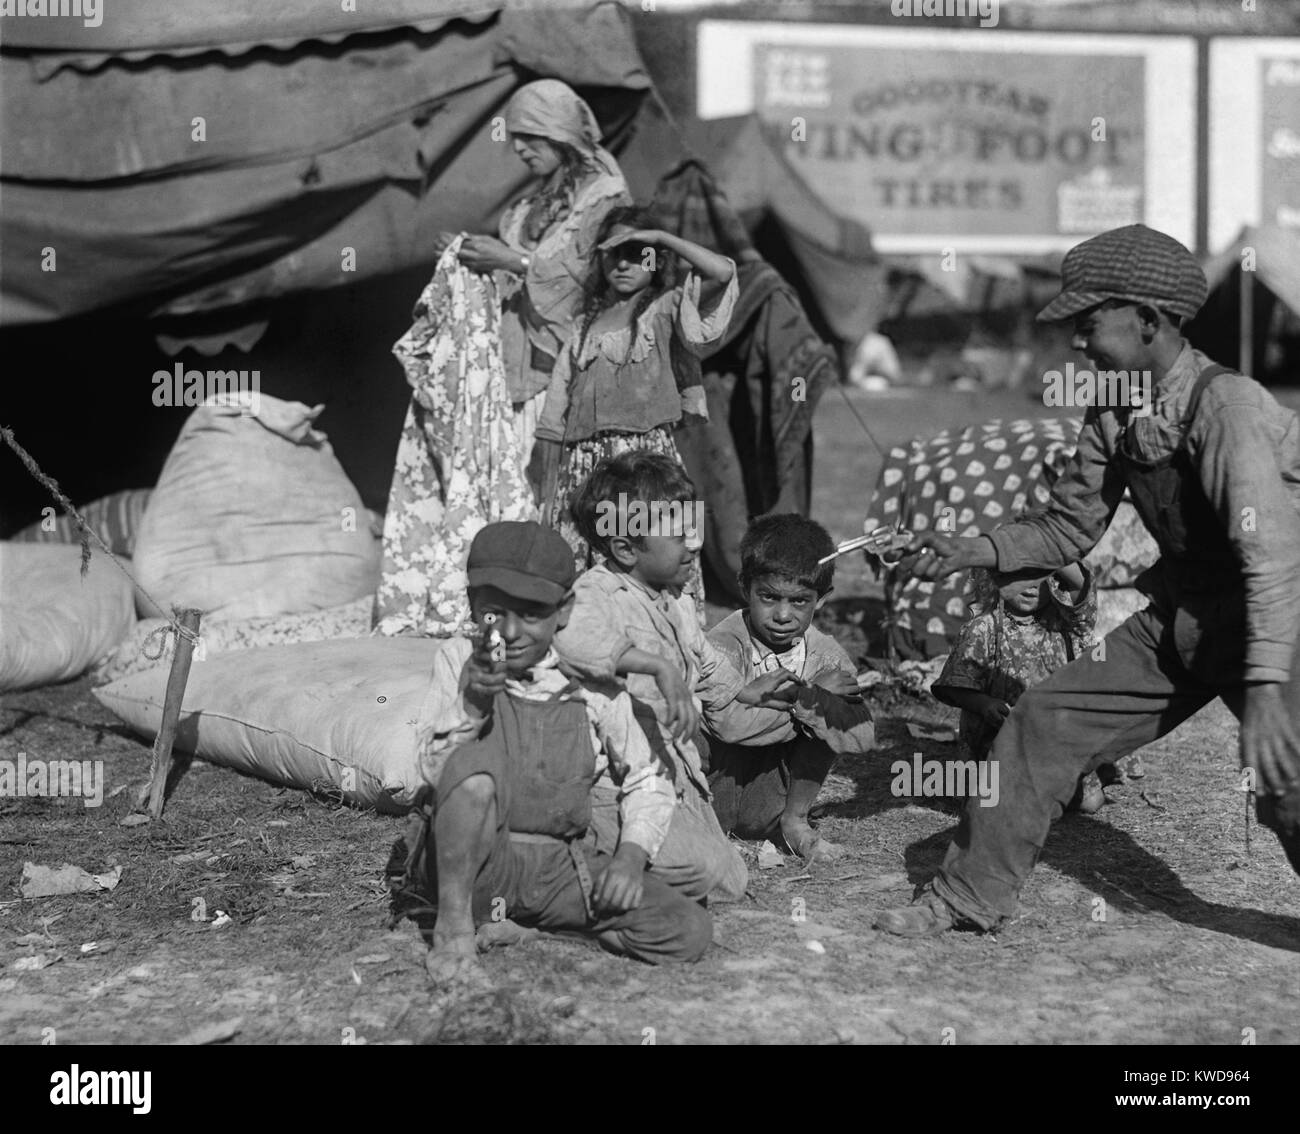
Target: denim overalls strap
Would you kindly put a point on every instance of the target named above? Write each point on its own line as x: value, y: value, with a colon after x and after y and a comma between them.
x: 1168, y: 496
x: 1197, y: 580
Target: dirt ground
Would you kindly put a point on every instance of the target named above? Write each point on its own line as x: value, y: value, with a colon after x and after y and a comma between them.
x: 1166, y: 918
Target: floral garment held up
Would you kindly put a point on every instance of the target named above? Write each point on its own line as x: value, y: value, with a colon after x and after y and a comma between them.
x: 459, y: 464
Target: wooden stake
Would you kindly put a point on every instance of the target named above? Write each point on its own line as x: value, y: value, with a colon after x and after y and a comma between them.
x: 171, y: 714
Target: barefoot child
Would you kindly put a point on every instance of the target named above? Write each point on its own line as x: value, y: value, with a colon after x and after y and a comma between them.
x: 516, y: 749
x: 632, y: 619
x: 1030, y: 624
x: 630, y: 371
x: 764, y: 787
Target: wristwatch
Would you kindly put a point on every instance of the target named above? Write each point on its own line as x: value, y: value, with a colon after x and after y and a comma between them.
x: 527, y: 259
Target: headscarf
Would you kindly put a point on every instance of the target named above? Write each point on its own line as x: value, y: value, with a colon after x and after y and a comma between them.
x: 552, y: 109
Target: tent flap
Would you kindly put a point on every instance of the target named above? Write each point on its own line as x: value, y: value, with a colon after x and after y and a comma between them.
x: 183, y: 185
x: 136, y: 29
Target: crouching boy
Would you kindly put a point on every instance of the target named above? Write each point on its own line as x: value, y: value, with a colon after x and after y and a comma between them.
x: 765, y: 786
x: 517, y: 748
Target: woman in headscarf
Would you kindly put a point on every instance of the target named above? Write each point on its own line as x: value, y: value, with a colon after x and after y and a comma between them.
x: 480, y: 356
x: 547, y: 238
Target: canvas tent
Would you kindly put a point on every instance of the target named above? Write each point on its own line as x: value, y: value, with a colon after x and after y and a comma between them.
x: 261, y: 184
x: 224, y: 154
x: 833, y: 257
x: 1256, y: 326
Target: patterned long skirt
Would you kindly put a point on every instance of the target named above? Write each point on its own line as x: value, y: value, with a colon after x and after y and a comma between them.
x: 576, y: 465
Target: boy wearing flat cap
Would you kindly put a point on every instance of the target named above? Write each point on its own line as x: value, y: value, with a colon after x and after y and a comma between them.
x: 1214, y: 472
x: 515, y: 752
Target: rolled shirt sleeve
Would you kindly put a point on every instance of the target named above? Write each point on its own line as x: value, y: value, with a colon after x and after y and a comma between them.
x: 646, y: 796
x: 699, y: 332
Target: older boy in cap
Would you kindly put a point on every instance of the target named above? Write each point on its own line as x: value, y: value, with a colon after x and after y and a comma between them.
x: 1214, y: 471
x: 515, y: 752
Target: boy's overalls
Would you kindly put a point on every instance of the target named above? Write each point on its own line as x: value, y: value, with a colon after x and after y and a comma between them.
x: 538, y: 873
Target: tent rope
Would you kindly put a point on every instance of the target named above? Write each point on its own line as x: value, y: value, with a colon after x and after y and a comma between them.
x: 854, y: 410
x: 87, y: 533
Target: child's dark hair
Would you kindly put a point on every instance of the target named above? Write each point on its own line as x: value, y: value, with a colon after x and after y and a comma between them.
x: 636, y: 475
x: 984, y: 594
x: 597, y: 295
x: 788, y: 545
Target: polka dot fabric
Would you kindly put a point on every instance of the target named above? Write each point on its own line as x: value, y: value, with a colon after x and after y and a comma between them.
x: 963, y: 482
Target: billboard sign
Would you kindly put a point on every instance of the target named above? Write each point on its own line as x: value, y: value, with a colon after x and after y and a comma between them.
x: 988, y: 141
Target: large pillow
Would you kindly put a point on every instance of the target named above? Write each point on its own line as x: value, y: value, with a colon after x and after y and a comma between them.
x: 254, y: 516
x: 147, y: 646
x: 53, y: 623
x: 342, y: 717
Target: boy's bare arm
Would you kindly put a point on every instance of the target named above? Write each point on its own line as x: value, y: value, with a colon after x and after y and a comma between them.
x: 681, y: 718
x: 1072, y: 580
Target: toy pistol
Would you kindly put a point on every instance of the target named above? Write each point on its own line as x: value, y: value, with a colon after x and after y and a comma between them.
x: 492, y: 640
x: 885, y: 542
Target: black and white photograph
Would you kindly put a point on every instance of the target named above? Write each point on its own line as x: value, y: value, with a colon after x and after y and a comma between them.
x: 639, y: 522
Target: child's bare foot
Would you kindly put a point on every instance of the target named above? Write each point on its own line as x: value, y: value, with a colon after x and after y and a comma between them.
x: 806, y: 843
x: 453, y: 960
x: 492, y: 934
x: 823, y: 851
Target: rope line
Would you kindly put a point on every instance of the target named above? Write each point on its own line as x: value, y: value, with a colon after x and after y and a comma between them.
x: 854, y: 410
x: 87, y: 533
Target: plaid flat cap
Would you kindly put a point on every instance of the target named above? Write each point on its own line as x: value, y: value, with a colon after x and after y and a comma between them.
x: 1134, y: 263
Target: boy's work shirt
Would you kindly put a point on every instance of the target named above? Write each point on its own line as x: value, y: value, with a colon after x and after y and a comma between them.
x: 1245, y: 448
x: 1002, y: 654
x: 624, y: 758
x: 614, y: 613
x: 843, y: 725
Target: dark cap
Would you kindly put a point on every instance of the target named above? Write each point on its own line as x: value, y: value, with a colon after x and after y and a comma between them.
x: 523, y: 559
x: 1134, y: 263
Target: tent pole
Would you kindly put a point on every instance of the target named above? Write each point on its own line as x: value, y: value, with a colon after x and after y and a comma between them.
x: 1246, y: 317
